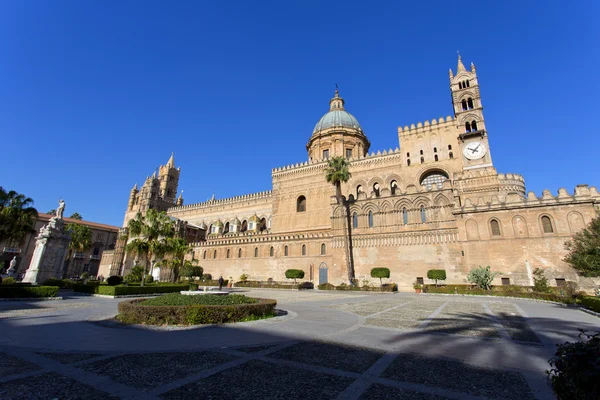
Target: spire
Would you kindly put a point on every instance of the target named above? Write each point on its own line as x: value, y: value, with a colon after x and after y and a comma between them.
x: 180, y: 199
x: 336, y: 103
x: 473, y: 68
x: 135, y: 187
x: 461, y: 66
x: 171, y: 162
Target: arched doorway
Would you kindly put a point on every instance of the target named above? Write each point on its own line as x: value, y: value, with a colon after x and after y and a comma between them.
x: 323, y: 273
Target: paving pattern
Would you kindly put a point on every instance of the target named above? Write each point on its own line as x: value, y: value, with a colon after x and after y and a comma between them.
x: 329, y: 346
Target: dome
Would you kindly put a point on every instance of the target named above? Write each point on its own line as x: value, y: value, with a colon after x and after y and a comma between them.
x: 337, y: 119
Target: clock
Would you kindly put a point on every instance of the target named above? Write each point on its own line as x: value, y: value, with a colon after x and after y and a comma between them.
x: 474, y: 150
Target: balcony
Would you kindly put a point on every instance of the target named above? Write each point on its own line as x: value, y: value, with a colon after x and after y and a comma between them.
x: 78, y: 255
x: 14, y: 250
x: 95, y: 257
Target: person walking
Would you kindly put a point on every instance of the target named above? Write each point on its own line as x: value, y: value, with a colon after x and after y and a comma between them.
x: 221, y: 283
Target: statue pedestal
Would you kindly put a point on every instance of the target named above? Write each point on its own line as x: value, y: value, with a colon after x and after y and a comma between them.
x: 49, y: 255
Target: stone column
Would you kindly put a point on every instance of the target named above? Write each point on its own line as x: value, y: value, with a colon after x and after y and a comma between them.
x: 49, y: 255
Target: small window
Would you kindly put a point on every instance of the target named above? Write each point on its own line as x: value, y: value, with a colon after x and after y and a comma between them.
x: 435, y: 157
x: 285, y: 251
x: 421, y: 152
x: 355, y: 220
x: 370, y: 219
x: 449, y: 147
x: 376, y: 189
x: 358, y: 190
x: 323, y: 249
x: 423, y: 216
x: 450, y: 155
x: 393, y: 186
x: 467, y: 127
x: 560, y: 282
x: 422, y: 160
x: 348, y: 153
x: 407, y: 155
x: 468, y: 83
x: 271, y: 251
x: 408, y: 163
x: 464, y: 105
x: 204, y: 255
x: 495, y: 226
x: 240, y: 253
x: 301, y: 204
x: 325, y: 154
x: 505, y: 281
x: 435, y: 149
x: 404, y: 216
x: 474, y: 126
x: 214, y: 254
x: 96, y: 251
x: 228, y: 253
x: 420, y: 280
x: 256, y: 252
x: 547, y: 224
x: 470, y: 103
x: 460, y: 85
x: 303, y: 249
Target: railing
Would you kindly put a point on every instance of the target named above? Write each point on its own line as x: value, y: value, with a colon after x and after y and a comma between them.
x: 95, y: 257
x: 78, y: 255
x: 11, y: 250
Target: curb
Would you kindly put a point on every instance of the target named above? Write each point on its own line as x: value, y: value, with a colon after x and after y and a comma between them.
x: 585, y: 310
x: 31, y: 298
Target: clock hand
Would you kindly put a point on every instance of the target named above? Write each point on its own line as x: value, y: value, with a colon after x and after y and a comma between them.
x: 477, y: 146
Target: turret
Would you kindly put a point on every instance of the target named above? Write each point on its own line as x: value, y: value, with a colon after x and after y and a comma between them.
x: 168, y: 176
x: 132, y: 197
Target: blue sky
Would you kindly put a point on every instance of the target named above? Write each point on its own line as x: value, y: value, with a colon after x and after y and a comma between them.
x: 95, y: 95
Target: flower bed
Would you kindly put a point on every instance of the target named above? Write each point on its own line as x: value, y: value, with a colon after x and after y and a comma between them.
x: 276, y: 285
x: 388, y: 287
x: 194, y: 310
x: 126, y: 290
x: 26, y: 291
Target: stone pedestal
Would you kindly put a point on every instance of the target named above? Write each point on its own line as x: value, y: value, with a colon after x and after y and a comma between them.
x: 49, y: 255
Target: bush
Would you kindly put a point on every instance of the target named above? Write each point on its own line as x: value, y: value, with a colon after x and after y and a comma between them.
x: 149, y: 279
x: 584, y: 250
x: 482, y: 277
x: 380, y: 273
x: 540, y: 282
x: 134, y: 312
x: 243, y: 277
x: 575, y: 370
x: 436, y: 275
x: 326, y: 286
x: 211, y: 282
x: 387, y: 287
x: 193, y: 287
x: 294, y: 274
x: 256, y: 284
x: 207, y: 277
x: 124, y: 290
x: 177, y: 299
x: 26, y: 291
x: 190, y: 271
x: 8, y: 281
x: 591, y: 303
x: 135, y: 275
x: 114, y: 280
x: 84, y: 275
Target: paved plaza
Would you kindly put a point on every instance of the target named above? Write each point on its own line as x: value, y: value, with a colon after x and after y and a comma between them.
x: 325, y: 345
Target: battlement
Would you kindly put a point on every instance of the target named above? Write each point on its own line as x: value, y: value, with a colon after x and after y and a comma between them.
x: 425, y: 127
x: 221, y: 202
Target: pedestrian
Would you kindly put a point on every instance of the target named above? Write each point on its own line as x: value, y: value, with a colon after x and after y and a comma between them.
x: 221, y: 283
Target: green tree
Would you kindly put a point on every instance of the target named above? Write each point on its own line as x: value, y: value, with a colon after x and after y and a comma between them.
x: 540, y: 282
x: 17, y: 217
x: 52, y: 211
x: 135, y: 275
x: 380, y: 273
x: 177, y: 249
x: 189, y: 269
x: 437, y: 274
x: 76, y: 216
x: 81, y: 240
x: 150, y: 235
x: 294, y: 274
x: 336, y: 173
x: 482, y: 277
x: 584, y: 250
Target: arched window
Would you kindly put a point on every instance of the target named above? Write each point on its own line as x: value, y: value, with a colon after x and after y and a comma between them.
x: 323, y: 249
x: 421, y: 152
x: 547, y: 224
x: 204, y: 255
x: 404, y: 216
x: 422, y: 160
x: 407, y: 155
x: 214, y: 254
x: 226, y: 228
x: 301, y: 204
x: 464, y: 105
x: 449, y: 147
x: 468, y: 83
x: 495, y: 227
x: 423, y: 217
x: 467, y: 127
x: 244, y: 226
x: 370, y: 219
x: 393, y: 186
x: 303, y: 249
x: 435, y: 149
x: 474, y: 126
x: 376, y: 189
x: 271, y: 251
x: 358, y: 190
x: 240, y: 253
x: 470, y: 103
x: 451, y: 155
x: 355, y: 220
x: 460, y: 85
x: 408, y: 163
x: 285, y: 251
x: 256, y: 252
x: 434, y: 177
x: 435, y: 157
x: 228, y: 253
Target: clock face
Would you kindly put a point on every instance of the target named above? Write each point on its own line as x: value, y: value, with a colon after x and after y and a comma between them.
x: 475, y: 150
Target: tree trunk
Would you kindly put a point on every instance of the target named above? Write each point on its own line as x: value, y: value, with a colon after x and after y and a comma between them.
x: 346, y: 228
x: 144, y: 273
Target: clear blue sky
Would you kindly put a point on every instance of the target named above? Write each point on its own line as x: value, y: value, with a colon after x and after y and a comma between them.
x: 94, y: 95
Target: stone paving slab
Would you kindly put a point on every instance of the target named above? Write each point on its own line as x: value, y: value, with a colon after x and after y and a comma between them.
x: 513, y: 322
x: 11, y: 365
x: 261, y: 380
x: 382, y: 392
x: 50, y: 386
x: 346, y: 358
x: 460, y: 377
x: 462, y: 318
x: 254, y: 349
x: 151, y: 370
x: 70, y: 358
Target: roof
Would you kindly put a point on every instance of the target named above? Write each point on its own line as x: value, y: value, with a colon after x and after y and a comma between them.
x: 46, y: 217
x: 337, y: 119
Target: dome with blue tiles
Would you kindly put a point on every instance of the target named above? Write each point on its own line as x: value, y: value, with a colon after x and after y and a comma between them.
x: 337, y: 117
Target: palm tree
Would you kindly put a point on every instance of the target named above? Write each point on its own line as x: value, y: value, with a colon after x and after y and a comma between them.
x: 17, y: 217
x: 150, y: 233
x: 81, y: 239
x: 336, y: 173
x: 177, y: 248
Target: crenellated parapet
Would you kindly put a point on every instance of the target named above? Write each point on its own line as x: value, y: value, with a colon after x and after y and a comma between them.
x: 426, y: 127
x: 266, y: 195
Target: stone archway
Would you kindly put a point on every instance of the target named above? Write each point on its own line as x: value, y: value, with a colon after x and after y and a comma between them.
x: 323, y: 273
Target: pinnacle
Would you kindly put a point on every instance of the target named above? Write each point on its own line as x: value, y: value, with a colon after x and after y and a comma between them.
x: 171, y: 162
x: 461, y: 66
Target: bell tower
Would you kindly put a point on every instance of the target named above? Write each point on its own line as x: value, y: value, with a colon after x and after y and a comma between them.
x: 168, y: 176
x: 468, y: 114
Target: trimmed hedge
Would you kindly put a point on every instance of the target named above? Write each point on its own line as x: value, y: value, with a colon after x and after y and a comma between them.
x: 25, y: 291
x: 510, y: 291
x: 124, y: 290
x: 132, y: 312
x: 387, y: 287
x: 61, y: 283
x: 114, y: 280
x: 178, y: 299
x: 591, y: 303
x: 276, y: 285
x: 326, y: 286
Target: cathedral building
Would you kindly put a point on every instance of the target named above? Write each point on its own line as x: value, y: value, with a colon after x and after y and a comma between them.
x: 434, y: 202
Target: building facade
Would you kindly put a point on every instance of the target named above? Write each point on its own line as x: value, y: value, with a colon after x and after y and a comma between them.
x: 434, y: 202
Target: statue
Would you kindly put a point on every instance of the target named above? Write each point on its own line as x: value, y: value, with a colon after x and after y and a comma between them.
x: 12, y: 267
x: 61, y: 209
